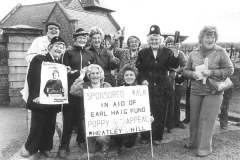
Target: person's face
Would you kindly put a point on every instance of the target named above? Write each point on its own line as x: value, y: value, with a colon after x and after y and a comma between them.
x: 57, y: 50
x: 208, y: 41
x: 129, y: 77
x: 81, y: 40
x: 95, y: 76
x: 154, y: 41
x: 177, y: 45
x: 170, y: 45
x: 133, y: 43
x: 52, y: 31
x: 96, y: 40
x: 55, y: 75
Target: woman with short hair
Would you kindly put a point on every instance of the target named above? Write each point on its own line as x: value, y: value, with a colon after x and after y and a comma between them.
x: 95, y: 74
x: 204, y: 101
x: 76, y: 58
x: 128, y: 56
x: 104, y: 57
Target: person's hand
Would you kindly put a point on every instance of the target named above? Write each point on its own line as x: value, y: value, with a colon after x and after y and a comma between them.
x: 151, y: 119
x: 145, y: 82
x: 71, y: 72
x: 207, y: 73
x: 69, y: 48
x: 82, y: 73
x: 110, y: 52
x: 197, y: 75
x: 68, y: 69
x: 36, y: 100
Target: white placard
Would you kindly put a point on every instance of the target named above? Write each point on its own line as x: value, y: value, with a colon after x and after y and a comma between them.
x: 118, y: 110
x: 54, y: 88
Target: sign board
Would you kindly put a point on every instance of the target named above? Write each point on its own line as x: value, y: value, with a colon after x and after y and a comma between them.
x: 118, y: 110
x: 54, y: 88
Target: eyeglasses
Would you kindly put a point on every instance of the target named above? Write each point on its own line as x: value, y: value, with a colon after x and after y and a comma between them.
x: 133, y: 42
x: 53, y: 28
x: 81, y: 38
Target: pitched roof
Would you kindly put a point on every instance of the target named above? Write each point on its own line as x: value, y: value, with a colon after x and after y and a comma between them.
x: 95, y: 4
x: 31, y: 15
x: 35, y: 15
x: 90, y: 19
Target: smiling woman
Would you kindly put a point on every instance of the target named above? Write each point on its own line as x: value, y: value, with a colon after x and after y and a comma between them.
x: 204, y: 103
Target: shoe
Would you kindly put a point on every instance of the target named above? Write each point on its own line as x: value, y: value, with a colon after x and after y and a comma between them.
x: 189, y: 147
x: 185, y: 121
x: 62, y: 153
x: 224, y: 128
x: 25, y: 153
x: 180, y: 125
x: 105, y: 149
x: 169, y: 130
x: 156, y: 142
x: 48, y: 154
x: 237, y: 124
x: 82, y: 145
x: 143, y: 141
x: 202, y: 155
x: 121, y: 149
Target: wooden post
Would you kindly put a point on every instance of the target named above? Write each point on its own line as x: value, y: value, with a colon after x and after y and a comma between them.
x: 123, y: 34
x: 20, y: 38
x: 231, y: 51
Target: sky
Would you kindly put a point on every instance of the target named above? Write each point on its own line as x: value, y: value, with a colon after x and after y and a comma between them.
x: 186, y: 16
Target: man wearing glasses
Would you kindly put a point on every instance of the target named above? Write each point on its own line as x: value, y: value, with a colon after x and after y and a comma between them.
x: 40, y: 46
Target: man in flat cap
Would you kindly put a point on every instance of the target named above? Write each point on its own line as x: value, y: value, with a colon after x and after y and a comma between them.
x: 153, y: 64
x: 40, y: 46
x: 43, y: 116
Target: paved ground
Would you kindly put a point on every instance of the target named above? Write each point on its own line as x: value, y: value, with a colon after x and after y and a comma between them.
x: 226, y: 145
x: 13, y: 130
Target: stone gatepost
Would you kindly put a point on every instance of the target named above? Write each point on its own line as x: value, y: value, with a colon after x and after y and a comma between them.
x: 20, y: 38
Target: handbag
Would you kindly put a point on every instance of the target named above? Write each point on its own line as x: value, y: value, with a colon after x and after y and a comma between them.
x: 220, y: 85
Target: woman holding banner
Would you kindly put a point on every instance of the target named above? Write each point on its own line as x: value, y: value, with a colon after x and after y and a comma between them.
x: 95, y: 74
x: 204, y: 102
x: 43, y: 116
x: 77, y: 58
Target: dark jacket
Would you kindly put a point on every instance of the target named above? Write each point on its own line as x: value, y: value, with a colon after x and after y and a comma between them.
x: 105, y: 60
x: 34, y: 82
x: 77, y: 58
x: 153, y: 70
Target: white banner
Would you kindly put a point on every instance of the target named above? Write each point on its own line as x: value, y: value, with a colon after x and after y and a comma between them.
x: 117, y: 110
x: 54, y: 88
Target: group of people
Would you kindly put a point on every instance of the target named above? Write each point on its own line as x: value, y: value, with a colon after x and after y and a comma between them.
x: 162, y: 68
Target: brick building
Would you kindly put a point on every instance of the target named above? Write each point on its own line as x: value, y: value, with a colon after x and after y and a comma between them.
x: 26, y: 22
x: 71, y: 14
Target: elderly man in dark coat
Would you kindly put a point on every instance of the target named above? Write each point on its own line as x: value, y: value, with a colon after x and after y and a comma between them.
x: 43, y: 117
x: 154, y: 64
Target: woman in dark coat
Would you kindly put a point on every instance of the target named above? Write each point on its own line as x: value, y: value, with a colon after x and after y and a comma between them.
x: 43, y: 116
x: 104, y: 57
x: 153, y: 64
x: 77, y: 58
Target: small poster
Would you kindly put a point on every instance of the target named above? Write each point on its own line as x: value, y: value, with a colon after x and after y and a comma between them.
x: 54, y: 88
x: 117, y: 110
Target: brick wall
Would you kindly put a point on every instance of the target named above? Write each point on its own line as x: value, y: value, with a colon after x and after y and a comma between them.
x: 67, y: 27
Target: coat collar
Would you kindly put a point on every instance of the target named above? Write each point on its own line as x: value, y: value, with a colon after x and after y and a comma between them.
x: 158, y: 53
x: 49, y: 57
